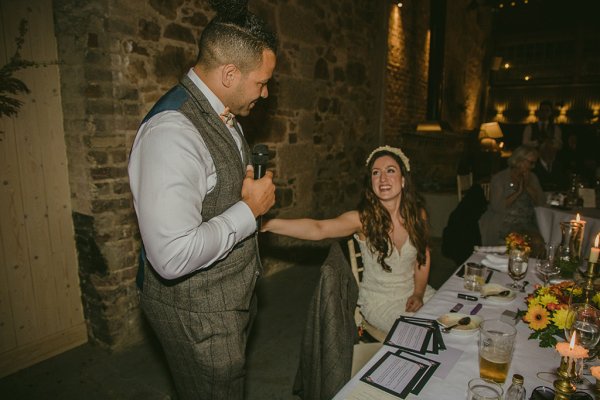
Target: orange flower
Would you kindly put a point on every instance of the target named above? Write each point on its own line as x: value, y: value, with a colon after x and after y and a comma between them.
x: 537, y: 317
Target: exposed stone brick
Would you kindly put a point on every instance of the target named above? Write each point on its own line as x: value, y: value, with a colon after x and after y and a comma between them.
x: 108, y: 173
x: 178, y: 32
x: 321, y: 69
x: 167, y: 8
x: 172, y: 63
x: 149, y: 30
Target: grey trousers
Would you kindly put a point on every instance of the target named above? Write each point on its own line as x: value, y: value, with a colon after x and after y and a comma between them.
x: 205, y: 351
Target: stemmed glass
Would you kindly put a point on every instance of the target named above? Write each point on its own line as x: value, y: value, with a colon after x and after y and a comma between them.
x: 584, y: 320
x: 517, y: 266
x: 546, y: 266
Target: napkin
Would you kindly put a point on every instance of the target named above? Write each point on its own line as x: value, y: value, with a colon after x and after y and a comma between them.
x: 490, y: 249
x: 499, y: 263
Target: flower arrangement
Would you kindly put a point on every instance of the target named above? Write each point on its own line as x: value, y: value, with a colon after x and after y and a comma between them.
x: 547, y: 309
x: 519, y: 241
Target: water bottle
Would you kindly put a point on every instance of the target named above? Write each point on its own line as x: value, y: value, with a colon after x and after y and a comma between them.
x: 516, y: 391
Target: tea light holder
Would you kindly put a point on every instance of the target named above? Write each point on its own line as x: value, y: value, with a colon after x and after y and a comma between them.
x: 571, y: 366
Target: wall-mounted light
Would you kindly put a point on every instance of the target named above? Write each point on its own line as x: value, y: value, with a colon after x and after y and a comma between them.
x: 399, y: 4
x: 527, y: 77
x: 506, y: 65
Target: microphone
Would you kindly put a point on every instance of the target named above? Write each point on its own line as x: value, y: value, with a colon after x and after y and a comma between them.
x: 260, y: 159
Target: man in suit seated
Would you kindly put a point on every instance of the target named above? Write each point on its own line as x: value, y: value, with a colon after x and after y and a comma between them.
x: 549, y: 170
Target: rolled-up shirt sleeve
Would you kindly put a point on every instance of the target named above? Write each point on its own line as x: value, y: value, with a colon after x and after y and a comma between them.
x: 170, y: 173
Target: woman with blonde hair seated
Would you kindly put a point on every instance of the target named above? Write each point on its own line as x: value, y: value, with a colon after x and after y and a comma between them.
x: 514, y: 193
x: 391, y: 228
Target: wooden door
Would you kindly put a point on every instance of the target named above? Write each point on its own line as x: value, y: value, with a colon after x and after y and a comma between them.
x: 40, y: 301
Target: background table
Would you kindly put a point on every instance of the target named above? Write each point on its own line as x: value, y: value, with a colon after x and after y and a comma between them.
x: 549, y: 219
x: 528, y: 357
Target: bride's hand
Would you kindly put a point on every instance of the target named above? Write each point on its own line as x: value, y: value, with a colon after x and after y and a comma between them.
x: 414, y: 303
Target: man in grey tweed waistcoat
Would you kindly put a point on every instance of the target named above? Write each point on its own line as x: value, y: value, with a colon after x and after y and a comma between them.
x: 197, y: 204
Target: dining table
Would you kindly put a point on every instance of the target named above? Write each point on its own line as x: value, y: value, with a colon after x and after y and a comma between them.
x: 534, y: 363
x: 549, y: 219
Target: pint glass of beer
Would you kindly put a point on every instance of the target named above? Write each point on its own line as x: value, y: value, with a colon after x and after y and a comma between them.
x: 496, y: 343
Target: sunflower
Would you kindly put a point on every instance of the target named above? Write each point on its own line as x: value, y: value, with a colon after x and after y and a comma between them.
x: 560, y: 318
x: 537, y: 316
x: 546, y: 299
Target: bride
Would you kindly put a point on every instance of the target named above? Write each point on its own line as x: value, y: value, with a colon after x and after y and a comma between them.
x: 390, y: 226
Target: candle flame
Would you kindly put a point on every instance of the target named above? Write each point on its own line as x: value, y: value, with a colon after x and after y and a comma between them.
x: 572, y: 344
x: 597, y: 239
x: 577, y: 219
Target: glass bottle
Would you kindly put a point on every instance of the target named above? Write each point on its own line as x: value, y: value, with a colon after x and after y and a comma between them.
x: 516, y: 391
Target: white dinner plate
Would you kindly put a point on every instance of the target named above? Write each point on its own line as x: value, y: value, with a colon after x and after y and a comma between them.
x: 495, y: 288
x: 452, y: 318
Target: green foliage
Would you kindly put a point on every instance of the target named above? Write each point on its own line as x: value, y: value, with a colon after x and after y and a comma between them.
x: 10, y: 85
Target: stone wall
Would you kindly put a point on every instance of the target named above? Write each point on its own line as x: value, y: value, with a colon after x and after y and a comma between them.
x: 323, y: 116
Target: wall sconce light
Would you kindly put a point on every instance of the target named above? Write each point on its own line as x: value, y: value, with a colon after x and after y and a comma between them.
x: 527, y: 77
x: 399, y: 4
x: 506, y: 65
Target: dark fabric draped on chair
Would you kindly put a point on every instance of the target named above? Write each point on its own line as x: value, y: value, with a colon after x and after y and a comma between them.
x: 330, y: 332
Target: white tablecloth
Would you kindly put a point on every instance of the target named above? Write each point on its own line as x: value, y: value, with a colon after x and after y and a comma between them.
x: 528, y: 358
x: 549, y: 220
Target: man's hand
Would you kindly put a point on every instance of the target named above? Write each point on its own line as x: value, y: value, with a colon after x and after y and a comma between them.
x: 258, y: 194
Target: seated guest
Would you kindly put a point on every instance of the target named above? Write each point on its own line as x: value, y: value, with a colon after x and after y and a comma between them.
x: 391, y: 228
x: 549, y: 169
x: 544, y: 129
x: 514, y: 192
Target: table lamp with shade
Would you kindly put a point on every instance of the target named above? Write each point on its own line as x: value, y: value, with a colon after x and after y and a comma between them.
x: 488, y: 133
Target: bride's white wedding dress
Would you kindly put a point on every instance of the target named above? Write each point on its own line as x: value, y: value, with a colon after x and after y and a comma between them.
x: 382, y: 295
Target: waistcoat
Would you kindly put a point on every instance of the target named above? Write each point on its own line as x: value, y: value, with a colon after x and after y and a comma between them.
x: 228, y: 284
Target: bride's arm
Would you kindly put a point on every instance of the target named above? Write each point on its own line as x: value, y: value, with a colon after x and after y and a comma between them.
x: 313, y: 229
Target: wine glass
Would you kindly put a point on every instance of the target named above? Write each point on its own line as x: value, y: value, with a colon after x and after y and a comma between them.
x: 517, y: 267
x: 546, y: 266
x: 547, y: 269
x: 584, y: 319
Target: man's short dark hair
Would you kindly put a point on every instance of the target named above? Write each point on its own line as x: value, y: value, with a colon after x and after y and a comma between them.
x: 238, y: 40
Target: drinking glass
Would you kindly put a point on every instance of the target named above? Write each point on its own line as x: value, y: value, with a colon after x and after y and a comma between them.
x: 517, y: 266
x: 546, y: 267
x: 585, y: 320
x: 496, y: 342
x: 474, y: 276
x: 483, y: 389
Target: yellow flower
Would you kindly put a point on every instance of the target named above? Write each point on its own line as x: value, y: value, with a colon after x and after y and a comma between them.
x: 537, y: 316
x: 560, y: 318
x: 596, y: 298
x: 547, y: 299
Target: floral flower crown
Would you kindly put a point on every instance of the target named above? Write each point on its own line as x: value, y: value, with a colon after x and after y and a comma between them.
x: 393, y: 150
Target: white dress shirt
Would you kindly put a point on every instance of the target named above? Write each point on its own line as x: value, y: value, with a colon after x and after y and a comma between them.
x: 170, y: 173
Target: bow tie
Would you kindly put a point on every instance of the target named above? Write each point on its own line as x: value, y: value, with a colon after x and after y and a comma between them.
x: 227, y: 117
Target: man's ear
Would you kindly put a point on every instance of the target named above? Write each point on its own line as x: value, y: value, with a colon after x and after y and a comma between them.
x: 229, y: 74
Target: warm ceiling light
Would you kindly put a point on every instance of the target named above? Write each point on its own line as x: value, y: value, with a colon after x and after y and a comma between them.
x: 513, y: 4
x: 506, y: 66
x: 527, y: 77
x: 399, y: 4
x: 525, y: 1
x: 501, y: 5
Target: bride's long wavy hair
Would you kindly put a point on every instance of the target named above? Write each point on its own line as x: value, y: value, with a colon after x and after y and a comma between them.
x: 377, y: 222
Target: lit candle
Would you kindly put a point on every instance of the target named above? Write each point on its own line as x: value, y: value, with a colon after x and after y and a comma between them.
x: 578, y: 220
x: 571, y: 350
x: 595, y: 251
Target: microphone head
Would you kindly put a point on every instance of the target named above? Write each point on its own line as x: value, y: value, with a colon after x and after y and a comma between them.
x: 260, y: 154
